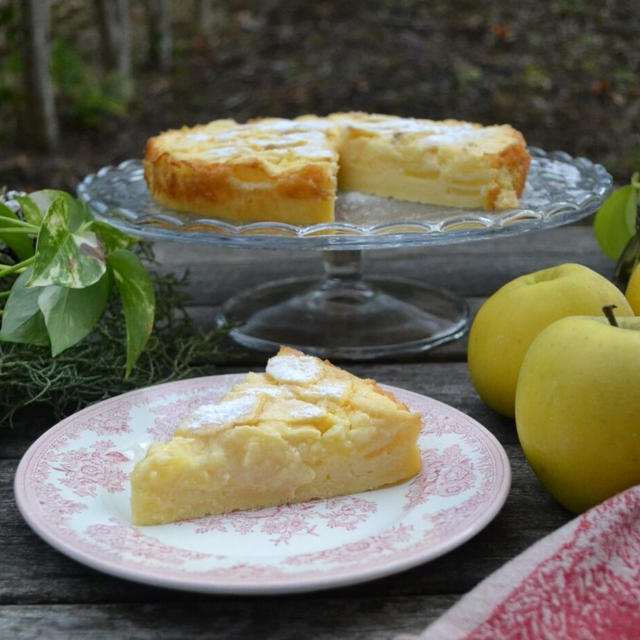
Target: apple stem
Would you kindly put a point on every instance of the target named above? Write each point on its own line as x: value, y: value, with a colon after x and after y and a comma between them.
x: 608, y: 311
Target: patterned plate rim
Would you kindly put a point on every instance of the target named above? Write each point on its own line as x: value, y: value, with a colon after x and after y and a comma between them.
x: 24, y: 485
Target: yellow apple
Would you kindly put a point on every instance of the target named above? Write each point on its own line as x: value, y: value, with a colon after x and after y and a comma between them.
x: 578, y: 408
x: 632, y: 292
x: 512, y: 317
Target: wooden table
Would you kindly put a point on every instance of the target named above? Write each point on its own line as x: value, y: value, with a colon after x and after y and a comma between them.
x: 43, y: 594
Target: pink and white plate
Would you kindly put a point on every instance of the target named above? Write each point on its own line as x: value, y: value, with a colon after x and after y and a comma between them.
x: 72, y: 488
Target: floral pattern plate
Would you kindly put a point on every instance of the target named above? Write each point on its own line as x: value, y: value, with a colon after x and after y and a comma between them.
x: 72, y: 488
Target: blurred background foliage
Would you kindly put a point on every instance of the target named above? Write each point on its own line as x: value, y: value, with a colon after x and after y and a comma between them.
x: 564, y: 72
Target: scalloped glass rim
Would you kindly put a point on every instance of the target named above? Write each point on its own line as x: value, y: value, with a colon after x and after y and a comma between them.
x: 560, y: 189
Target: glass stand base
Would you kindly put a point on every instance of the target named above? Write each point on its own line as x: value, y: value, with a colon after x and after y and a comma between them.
x: 343, y: 318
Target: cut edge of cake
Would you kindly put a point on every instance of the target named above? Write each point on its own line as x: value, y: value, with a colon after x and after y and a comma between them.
x: 449, y: 162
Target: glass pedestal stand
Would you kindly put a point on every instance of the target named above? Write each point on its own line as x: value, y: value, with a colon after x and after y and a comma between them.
x: 344, y: 315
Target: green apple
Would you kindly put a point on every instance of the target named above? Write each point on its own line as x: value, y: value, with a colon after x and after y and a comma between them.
x: 578, y: 408
x: 632, y: 292
x: 512, y: 317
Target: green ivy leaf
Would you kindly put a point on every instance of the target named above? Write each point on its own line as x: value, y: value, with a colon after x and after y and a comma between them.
x: 614, y: 223
x: 21, y: 245
x: 66, y: 256
x: 111, y: 237
x: 71, y: 314
x: 78, y: 213
x: 138, y: 301
x: 30, y: 210
x: 22, y: 320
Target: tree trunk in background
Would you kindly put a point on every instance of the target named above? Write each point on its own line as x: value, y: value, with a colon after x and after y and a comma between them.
x: 40, y: 124
x: 115, y: 33
x: 204, y: 21
x: 160, y: 39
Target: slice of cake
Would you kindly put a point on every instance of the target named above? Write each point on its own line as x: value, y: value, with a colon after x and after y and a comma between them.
x: 267, y: 169
x: 457, y: 164
x: 303, y: 429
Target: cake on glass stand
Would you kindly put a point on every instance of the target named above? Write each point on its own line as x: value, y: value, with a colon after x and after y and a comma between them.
x: 346, y: 315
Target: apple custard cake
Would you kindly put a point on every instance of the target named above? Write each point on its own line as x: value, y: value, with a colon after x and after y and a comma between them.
x: 303, y: 429
x: 284, y: 170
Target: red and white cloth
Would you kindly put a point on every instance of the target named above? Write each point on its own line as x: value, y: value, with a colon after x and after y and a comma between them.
x: 580, y: 582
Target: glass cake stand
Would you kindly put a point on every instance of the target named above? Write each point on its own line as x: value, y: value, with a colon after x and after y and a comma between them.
x: 346, y: 315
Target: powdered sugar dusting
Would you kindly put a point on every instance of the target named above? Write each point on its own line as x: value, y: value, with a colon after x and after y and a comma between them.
x: 331, y: 388
x: 425, y: 132
x: 296, y: 369
x: 307, y: 138
x: 196, y: 137
x: 223, y: 413
x: 272, y: 392
x: 460, y: 134
x: 305, y: 411
x: 220, y: 151
x: 282, y: 125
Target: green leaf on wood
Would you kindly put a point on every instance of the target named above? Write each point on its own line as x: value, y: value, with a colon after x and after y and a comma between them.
x: 22, y: 320
x: 138, y: 301
x: 614, y: 223
x: 66, y: 255
x: 21, y: 245
x: 71, y: 314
